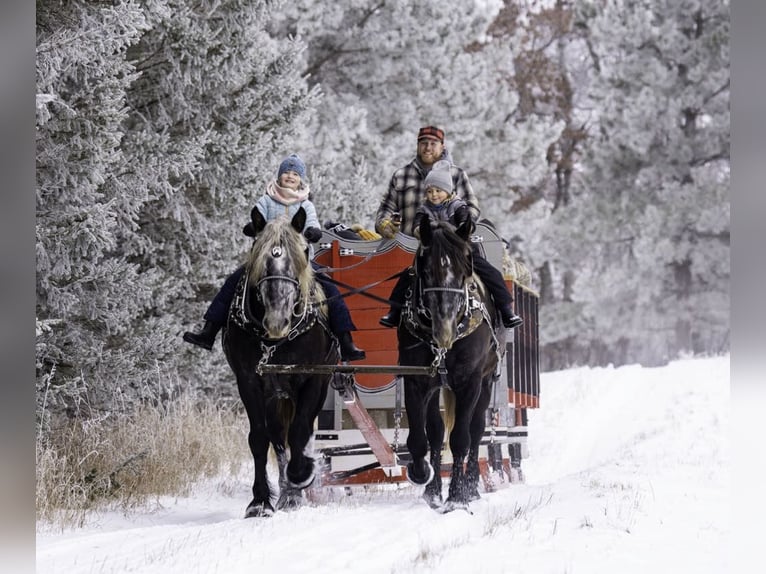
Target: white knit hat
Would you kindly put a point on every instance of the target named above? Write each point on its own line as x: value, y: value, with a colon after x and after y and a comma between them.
x: 440, y: 176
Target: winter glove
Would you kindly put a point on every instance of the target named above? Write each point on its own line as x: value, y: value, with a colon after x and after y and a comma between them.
x: 368, y: 235
x: 388, y: 228
x: 313, y: 234
x: 365, y: 234
x: 462, y: 216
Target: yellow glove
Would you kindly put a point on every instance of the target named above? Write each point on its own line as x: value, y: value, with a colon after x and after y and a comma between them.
x: 368, y: 235
x: 388, y: 228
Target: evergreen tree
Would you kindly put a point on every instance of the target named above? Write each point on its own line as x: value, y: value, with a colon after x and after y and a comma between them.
x: 385, y: 69
x: 652, y: 222
x: 159, y: 124
x: 218, y: 103
x: 88, y: 292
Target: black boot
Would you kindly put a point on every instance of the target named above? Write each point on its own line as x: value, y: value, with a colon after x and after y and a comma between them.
x: 391, y: 319
x: 349, y: 351
x: 206, y: 337
x: 510, y: 319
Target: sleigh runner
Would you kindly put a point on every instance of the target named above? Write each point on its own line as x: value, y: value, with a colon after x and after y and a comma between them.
x: 362, y: 428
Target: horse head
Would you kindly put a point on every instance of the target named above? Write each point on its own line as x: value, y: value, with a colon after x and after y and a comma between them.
x: 279, y: 271
x: 444, y: 268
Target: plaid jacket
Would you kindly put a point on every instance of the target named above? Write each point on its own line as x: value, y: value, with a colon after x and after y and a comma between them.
x: 406, y: 191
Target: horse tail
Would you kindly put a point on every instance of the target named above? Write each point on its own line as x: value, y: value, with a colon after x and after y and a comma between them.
x: 285, y: 412
x: 449, y: 411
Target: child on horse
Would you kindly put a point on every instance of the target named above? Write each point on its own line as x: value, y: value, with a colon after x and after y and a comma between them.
x: 284, y: 197
x: 442, y: 204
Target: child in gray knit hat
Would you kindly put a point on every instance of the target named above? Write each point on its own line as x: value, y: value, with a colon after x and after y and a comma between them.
x: 441, y: 204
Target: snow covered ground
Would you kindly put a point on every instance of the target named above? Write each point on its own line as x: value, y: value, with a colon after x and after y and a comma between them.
x: 628, y: 472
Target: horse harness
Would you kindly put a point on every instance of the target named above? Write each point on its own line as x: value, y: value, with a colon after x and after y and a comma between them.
x: 302, y: 321
x: 417, y: 320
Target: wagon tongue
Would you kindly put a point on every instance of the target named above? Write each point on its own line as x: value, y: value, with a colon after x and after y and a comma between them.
x: 344, y: 384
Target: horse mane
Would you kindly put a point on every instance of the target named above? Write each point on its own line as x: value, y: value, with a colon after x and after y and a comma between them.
x: 280, y: 233
x: 446, y: 243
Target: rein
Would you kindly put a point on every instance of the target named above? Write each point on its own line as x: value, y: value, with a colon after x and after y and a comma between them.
x: 363, y: 289
x: 365, y: 259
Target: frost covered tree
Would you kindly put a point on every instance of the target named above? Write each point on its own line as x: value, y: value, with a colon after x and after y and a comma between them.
x: 385, y: 69
x: 159, y: 123
x: 651, y: 215
x: 88, y: 291
x: 217, y: 103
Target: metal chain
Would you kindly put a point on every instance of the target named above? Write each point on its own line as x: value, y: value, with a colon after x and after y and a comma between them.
x: 439, y: 354
x: 266, y: 352
x: 397, y: 414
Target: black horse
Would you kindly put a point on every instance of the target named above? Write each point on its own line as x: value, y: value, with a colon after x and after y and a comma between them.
x: 448, y: 322
x: 279, y: 317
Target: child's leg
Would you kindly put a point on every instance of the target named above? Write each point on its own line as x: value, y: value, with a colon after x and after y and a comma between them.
x: 339, y: 319
x: 398, y: 294
x: 216, y: 314
x: 494, y: 282
x: 218, y: 311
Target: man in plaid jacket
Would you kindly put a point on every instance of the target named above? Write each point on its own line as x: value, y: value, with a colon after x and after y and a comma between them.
x: 405, y: 191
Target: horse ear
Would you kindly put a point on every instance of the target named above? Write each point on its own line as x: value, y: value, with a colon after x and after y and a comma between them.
x: 426, y: 233
x: 259, y: 222
x: 299, y: 220
x: 465, y: 229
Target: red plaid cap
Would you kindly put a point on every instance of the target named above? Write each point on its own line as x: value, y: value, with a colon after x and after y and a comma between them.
x: 431, y: 133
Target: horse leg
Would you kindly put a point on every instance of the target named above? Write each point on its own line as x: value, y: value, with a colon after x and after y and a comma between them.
x: 419, y: 471
x: 435, y: 434
x: 258, y: 441
x: 460, y: 441
x: 478, y: 424
x: 290, y: 497
x: 301, y: 470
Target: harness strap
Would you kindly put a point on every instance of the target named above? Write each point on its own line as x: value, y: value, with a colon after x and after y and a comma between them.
x: 383, y: 243
x: 443, y: 289
x: 362, y: 290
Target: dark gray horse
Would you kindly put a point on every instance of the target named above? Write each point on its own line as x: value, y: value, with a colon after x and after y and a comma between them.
x: 278, y: 317
x: 447, y: 322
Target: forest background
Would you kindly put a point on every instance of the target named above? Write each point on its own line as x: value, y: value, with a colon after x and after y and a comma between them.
x: 596, y: 135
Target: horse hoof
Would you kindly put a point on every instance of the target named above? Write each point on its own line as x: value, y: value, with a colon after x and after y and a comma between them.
x: 259, y: 510
x: 433, y: 500
x: 451, y: 505
x: 417, y: 480
x: 290, y: 501
x: 303, y: 483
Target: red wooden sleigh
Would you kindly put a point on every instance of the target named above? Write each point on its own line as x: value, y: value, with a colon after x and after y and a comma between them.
x: 362, y: 428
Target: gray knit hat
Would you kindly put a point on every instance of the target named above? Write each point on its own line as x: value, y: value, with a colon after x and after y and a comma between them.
x: 439, y: 176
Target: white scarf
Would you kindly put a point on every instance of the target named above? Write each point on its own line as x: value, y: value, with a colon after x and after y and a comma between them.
x: 285, y: 195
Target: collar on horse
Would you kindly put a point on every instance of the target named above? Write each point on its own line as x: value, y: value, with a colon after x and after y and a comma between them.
x: 417, y: 321
x: 417, y: 318
x: 303, y: 319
